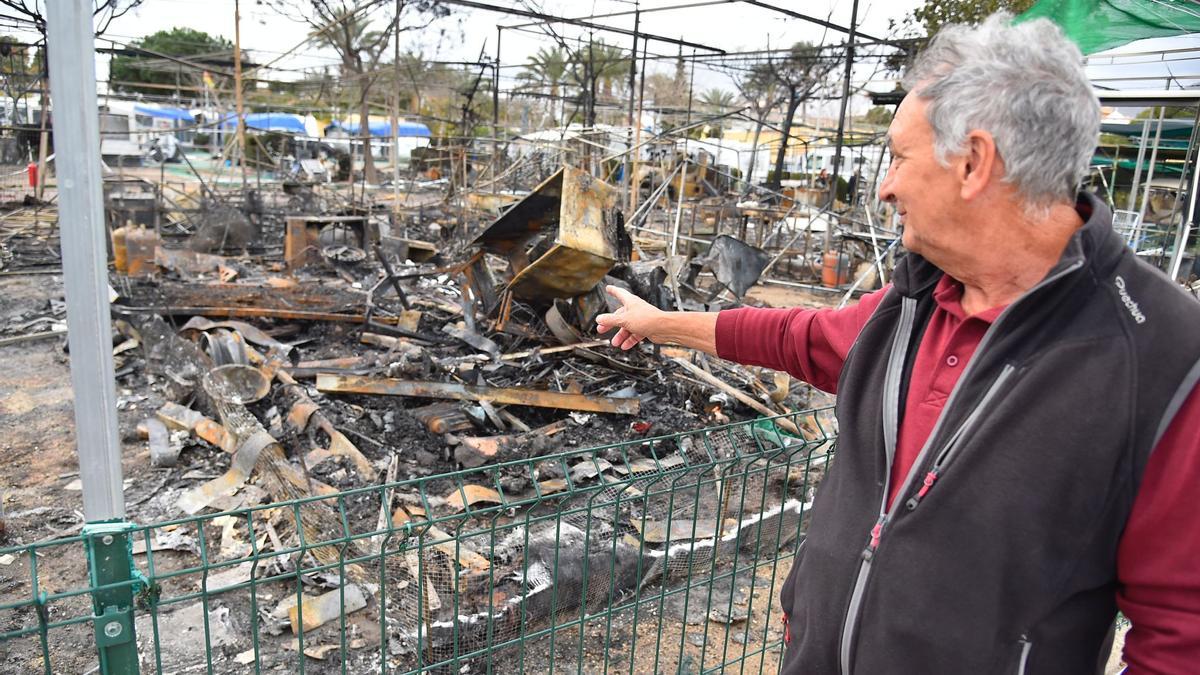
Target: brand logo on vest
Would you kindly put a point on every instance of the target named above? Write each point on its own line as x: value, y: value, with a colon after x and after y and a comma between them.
x: 1130, y: 305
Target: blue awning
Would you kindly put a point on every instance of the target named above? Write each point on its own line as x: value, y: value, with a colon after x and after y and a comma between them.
x: 384, y: 129
x: 270, y: 121
x: 165, y: 113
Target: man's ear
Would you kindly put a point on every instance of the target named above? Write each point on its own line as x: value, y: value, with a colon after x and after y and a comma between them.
x: 978, y: 164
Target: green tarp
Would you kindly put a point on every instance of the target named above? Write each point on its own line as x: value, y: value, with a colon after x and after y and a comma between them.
x: 1096, y: 25
x: 1174, y: 129
x: 1160, y: 169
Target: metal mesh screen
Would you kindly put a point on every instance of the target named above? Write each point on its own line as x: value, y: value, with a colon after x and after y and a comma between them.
x: 649, y: 556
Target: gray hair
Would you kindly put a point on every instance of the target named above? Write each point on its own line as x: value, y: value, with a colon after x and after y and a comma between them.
x: 1023, y: 83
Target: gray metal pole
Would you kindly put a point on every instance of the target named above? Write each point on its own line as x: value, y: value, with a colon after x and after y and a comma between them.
x: 1188, y: 223
x: 496, y: 113
x: 627, y: 167
x: 396, y: 116
x: 841, y: 130
x: 1150, y: 169
x: 1137, y: 168
x: 84, y: 255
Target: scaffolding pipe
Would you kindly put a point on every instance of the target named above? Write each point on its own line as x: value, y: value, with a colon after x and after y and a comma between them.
x: 496, y: 112
x: 841, y: 130
x: 396, y: 112
x: 1137, y: 169
x: 237, y: 71
x: 627, y: 167
x: 1188, y: 223
x: 1150, y: 171
x: 576, y: 22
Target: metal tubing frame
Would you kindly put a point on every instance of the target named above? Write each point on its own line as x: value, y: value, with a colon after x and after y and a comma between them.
x: 1188, y: 223
x: 841, y: 129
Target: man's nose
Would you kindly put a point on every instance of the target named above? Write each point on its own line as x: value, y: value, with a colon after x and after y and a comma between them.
x: 886, y: 193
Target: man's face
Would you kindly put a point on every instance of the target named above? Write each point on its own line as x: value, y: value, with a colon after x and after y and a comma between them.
x: 926, y: 194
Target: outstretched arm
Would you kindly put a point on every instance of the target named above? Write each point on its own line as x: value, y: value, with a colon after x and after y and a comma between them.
x: 811, y: 344
x: 637, y: 320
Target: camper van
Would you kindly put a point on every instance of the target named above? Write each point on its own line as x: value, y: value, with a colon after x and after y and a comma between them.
x: 133, y: 131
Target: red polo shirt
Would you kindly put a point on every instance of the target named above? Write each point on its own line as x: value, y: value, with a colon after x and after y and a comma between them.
x: 1158, y: 560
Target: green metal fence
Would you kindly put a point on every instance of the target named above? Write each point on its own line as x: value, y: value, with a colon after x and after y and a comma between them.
x: 663, y: 555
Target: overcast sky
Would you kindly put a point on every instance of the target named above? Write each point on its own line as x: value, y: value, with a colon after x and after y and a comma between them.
x: 461, y: 36
x: 731, y: 27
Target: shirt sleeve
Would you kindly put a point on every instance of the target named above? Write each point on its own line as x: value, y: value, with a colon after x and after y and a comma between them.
x: 810, y: 344
x: 1158, y: 559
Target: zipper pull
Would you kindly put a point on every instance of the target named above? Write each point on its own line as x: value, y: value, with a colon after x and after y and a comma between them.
x: 876, y: 533
x: 930, y: 478
x: 787, y: 630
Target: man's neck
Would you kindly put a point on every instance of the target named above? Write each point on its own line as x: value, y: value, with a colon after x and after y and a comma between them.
x: 1013, y: 261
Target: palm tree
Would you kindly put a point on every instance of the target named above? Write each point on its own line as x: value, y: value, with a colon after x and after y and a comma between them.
x: 596, y: 66
x: 545, y: 72
x: 415, y: 71
x: 611, y: 64
x: 717, y: 100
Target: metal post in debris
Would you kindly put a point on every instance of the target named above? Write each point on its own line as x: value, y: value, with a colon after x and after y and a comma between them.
x: 237, y: 77
x: 496, y: 115
x: 43, y: 143
x: 89, y: 332
x: 1189, y: 221
x: 1150, y: 170
x: 627, y: 167
x: 396, y: 115
x: 683, y: 178
x: 841, y: 130
x: 1137, y: 168
x: 637, y: 134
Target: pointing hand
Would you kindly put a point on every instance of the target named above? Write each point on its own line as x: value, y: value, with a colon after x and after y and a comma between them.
x: 635, y: 320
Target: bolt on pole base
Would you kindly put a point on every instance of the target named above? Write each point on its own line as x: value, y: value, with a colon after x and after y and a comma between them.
x: 113, y: 580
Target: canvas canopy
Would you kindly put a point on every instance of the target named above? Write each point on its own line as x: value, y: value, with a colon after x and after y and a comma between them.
x: 270, y: 121
x: 164, y: 113
x: 383, y: 128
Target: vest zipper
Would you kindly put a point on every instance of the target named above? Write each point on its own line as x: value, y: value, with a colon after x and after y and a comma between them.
x: 891, y: 423
x: 1026, y: 645
x: 891, y: 408
x: 959, y: 439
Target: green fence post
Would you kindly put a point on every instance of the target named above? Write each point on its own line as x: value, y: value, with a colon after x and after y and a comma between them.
x: 110, y: 570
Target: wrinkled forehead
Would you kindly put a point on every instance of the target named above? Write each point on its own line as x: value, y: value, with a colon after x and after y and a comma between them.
x: 909, y: 123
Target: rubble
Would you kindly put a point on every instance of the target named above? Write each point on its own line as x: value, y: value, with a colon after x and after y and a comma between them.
x: 463, y: 392
x: 283, y: 346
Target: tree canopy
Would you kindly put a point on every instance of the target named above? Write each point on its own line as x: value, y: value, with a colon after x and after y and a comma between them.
x: 921, y: 24
x: 145, y: 73
x: 879, y: 116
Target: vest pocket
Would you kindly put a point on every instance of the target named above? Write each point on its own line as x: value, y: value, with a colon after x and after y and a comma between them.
x: 787, y: 592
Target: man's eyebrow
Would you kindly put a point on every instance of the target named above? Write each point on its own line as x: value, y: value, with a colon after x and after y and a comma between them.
x: 891, y: 145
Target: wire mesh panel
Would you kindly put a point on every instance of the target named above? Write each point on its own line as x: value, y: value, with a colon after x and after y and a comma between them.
x: 662, y: 555
x: 14, y: 183
x: 1145, y: 238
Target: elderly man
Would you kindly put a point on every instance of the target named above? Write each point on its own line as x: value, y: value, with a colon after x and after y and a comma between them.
x: 1019, y: 419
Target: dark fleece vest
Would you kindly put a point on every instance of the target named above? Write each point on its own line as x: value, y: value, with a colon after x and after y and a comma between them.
x: 999, y: 553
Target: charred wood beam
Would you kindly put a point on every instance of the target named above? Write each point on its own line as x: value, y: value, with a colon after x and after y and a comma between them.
x: 346, y: 384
